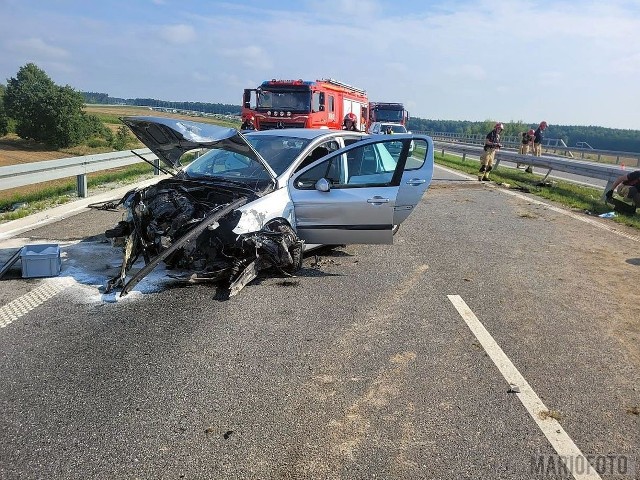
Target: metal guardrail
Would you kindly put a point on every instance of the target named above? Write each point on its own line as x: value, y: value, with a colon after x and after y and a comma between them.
x: 629, y: 159
x: 13, y: 176
x: 601, y: 171
x: 30, y: 173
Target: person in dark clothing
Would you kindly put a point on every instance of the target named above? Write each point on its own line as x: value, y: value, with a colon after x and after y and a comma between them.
x: 537, y: 139
x: 537, y: 142
x: 491, y: 145
x: 248, y: 123
x: 628, y: 188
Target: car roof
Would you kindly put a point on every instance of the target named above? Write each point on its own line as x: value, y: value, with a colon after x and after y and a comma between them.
x: 304, y: 133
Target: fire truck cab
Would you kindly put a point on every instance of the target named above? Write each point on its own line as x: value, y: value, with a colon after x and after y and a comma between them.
x: 304, y: 104
x: 388, y: 112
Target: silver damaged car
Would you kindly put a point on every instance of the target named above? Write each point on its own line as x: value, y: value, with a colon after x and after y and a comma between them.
x: 248, y: 202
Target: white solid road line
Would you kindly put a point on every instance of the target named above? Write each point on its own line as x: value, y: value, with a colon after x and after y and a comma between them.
x: 559, y: 439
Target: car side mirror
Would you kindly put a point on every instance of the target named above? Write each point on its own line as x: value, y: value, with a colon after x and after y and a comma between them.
x: 323, y: 185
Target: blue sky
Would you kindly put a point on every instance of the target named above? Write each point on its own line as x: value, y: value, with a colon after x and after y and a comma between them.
x: 567, y: 62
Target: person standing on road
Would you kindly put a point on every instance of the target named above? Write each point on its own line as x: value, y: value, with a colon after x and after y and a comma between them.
x: 491, y: 145
x: 628, y: 187
x: 526, y: 145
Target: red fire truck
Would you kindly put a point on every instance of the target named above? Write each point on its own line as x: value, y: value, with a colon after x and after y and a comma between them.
x: 388, y: 112
x: 304, y: 104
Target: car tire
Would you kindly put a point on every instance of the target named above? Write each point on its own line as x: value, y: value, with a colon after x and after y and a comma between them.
x: 295, y: 250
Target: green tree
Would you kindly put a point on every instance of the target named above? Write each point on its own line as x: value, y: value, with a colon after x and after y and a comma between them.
x: 121, y: 139
x: 46, y: 112
x: 4, y: 120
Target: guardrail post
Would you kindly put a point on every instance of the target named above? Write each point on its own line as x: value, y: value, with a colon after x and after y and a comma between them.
x: 81, y: 186
x: 443, y: 152
x: 156, y: 166
x: 464, y: 156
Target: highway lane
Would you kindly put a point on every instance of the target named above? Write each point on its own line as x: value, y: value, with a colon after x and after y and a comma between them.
x: 360, y: 367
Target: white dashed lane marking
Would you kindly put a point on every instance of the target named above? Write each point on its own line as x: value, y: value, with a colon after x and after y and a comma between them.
x: 558, y: 438
x: 15, y: 309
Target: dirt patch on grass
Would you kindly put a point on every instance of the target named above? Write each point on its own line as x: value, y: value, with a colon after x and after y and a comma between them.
x: 15, y: 151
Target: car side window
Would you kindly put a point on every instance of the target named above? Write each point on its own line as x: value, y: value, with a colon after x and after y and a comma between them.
x: 318, y: 152
x: 417, y: 155
x: 365, y: 166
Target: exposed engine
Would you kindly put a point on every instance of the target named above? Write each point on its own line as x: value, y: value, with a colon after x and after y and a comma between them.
x: 189, y: 225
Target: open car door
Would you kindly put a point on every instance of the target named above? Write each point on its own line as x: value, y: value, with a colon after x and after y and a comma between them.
x: 351, y: 195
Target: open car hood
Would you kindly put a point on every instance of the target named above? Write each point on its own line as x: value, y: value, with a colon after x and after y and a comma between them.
x: 170, y: 138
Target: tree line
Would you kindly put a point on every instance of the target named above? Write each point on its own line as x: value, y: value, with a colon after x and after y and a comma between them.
x: 599, y: 138
x: 105, y: 99
x: 35, y: 108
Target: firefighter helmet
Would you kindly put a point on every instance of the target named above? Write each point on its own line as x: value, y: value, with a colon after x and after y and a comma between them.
x: 351, y: 117
x: 532, y: 131
x: 499, y: 125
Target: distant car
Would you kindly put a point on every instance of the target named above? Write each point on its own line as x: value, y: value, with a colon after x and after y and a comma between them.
x: 382, y: 128
x: 252, y: 200
x: 378, y: 128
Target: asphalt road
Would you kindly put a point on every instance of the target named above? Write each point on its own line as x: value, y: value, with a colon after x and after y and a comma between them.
x: 361, y: 367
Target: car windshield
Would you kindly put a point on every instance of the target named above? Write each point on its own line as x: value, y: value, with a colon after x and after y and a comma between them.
x: 389, y: 115
x: 230, y: 166
x: 287, y: 100
x: 395, y: 128
x: 278, y: 151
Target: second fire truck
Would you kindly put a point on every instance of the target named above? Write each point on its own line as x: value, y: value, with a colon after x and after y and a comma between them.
x: 388, y: 112
x: 304, y: 104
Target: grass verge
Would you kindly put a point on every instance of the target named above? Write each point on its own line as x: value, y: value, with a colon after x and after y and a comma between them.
x: 578, y: 197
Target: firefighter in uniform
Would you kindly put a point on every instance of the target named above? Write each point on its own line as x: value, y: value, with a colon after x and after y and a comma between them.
x: 527, y: 141
x: 629, y: 189
x: 248, y: 123
x: 491, y: 145
x: 526, y: 145
x: 537, y: 139
x: 350, y: 122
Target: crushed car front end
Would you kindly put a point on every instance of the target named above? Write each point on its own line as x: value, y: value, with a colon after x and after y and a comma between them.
x: 190, y: 222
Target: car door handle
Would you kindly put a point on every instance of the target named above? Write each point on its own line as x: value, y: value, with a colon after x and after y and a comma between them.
x: 416, y: 181
x: 377, y: 200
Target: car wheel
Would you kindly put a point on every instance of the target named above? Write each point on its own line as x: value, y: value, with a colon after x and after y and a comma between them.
x: 296, y: 246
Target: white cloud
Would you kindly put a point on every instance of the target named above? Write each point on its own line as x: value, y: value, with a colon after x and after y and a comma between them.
x: 38, y: 48
x: 455, y: 60
x: 252, y: 56
x: 178, y: 34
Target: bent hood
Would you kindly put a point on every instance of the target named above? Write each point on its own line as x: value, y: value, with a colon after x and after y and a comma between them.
x: 170, y: 138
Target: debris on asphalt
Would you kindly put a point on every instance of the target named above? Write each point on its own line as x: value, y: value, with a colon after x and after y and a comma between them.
x: 513, y: 388
x: 608, y: 215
